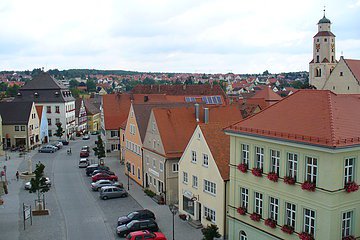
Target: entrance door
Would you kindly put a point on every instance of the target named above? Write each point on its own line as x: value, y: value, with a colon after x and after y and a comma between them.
x: 199, y: 211
x: 146, y: 180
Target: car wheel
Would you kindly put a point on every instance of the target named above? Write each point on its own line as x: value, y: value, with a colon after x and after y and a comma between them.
x: 124, y: 195
x: 105, y: 197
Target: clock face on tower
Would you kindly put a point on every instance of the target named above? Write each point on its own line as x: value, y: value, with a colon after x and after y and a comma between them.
x: 317, y: 46
x: 332, y: 46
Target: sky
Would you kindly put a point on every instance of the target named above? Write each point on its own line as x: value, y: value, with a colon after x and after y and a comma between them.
x: 197, y: 36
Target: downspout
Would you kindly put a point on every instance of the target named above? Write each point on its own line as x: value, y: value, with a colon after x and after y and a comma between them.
x: 225, y: 209
x: 165, y: 181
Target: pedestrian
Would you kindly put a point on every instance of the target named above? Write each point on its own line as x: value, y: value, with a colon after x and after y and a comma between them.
x: 17, y: 175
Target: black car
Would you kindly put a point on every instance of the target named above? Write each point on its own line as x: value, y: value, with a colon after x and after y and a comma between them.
x: 136, y: 215
x: 137, y: 225
x: 102, y: 171
x: 90, y: 169
x: 65, y: 142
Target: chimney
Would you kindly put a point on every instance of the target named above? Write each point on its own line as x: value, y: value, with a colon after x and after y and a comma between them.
x: 197, y: 112
x: 146, y: 98
x: 206, y: 115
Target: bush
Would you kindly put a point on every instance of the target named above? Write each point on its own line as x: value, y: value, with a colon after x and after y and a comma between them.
x: 210, y: 232
x: 149, y: 192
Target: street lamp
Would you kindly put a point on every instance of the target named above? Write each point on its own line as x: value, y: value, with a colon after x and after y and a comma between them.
x: 128, y: 166
x: 173, y: 210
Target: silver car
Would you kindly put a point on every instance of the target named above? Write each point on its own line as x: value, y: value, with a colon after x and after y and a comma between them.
x: 95, y: 186
x: 112, y: 192
x: 47, y: 182
x: 83, y: 163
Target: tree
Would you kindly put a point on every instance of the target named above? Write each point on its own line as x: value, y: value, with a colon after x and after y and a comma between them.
x: 210, y: 232
x: 59, y: 131
x: 38, y: 184
x: 12, y: 91
x: 99, y: 149
x: 148, y: 81
x: 73, y: 83
x: 75, y: 92
x: 91, y: 85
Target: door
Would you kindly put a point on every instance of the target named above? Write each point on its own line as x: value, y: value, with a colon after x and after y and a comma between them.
x: 199, y: 211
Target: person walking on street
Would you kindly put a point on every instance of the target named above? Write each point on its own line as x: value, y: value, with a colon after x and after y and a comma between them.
x: 17, y: 175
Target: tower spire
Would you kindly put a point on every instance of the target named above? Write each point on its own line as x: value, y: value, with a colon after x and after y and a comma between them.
x: 324, y: 10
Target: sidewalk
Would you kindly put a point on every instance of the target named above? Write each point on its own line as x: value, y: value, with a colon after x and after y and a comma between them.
x: 183, y: 231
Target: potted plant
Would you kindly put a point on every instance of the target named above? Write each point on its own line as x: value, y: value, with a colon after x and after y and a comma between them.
x: 309, y: 186
x: 255, y: 217
x: 270, y: 223
x: 257, y: 172
x: 289, y: 180
x: 351, y: 187
x: 243, y: 167
x: 305, y: 236
x: 349, y: 238
x: 272, y: 176
x: 241, y: 210
x: 287, y: 229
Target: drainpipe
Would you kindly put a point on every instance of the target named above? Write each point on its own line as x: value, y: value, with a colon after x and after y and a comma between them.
x: 165, y: 181
x: 225, y: 209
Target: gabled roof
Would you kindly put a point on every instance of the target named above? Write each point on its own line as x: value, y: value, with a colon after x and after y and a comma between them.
x: 43, y: 81
x: 324, y: 34
x: 116, y: 109
x: 78, y: 102
x: 354, y: 66
x: 15, y: 112
x: 316, y: 117
x: 39, y: 110
x: 90, y: 108
x: 268, y: 95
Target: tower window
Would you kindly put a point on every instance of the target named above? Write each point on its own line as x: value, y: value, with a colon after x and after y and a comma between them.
x: 325, y: 40
x: 333, y: 87
x: 341, y: 74
x: 317, y: 58
x: 317, y: 72
x: 332, y: 58
x: 317, y: 40
x: 348, y: 88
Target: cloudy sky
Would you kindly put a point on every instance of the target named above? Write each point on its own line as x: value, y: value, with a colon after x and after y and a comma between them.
x: 212, y: 36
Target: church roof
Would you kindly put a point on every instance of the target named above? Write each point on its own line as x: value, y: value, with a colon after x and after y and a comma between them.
x: 325, y: 34
x: 43, y: 81
x: 354, y: 66
x: 324, y: 20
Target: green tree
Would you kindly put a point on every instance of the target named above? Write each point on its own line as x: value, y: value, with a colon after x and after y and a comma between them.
x: 59, y: 131
x: 12, y: 91
x: 99, y: 149
x: 73, y: 83
x: 91, y: 85
x: 75, y: 92
x: 210, y: 232
x: 148, y: 81
x: 38, y: 184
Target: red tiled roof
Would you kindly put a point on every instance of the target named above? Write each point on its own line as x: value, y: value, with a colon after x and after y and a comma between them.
x: 116, y: 109
x: 317, y: 117
x: 324, y: 34
x: 39, y: 110
x: 268, y: 94
x: 354, y: 66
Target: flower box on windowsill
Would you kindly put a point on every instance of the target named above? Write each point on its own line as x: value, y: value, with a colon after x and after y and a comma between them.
x: 349, y: 238
x: 351, y: 187
x: 243, y: 167
x: 305, y: 236
x: 255, y: 217
x: 309, y: 186
x: 241, y: 210
x: 257, y: 172
x: 272, y: 176
x: 287, y: 229
x: 270, y: 223
x: 289, y: 180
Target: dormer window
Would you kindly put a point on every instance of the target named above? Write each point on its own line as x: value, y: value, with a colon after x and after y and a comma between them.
x: 57, y: 94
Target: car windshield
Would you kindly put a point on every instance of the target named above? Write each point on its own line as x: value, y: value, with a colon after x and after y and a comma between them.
x: 130, y: 224
x: 131, y: 215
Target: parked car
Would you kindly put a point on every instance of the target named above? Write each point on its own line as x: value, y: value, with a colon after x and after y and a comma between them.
x: 83, y: 162
x: 145, y: 234
x: 102, y: 171
x: 84, y: 153
x: 86, y: 137
x: 85, y: 148
x: 137, y: 225
x: 112, y: 192
x: 47, y: 149
x: 47, y: 183
x: 64, y: 142
x: 100, y: 176
x: 90, y: 169
x: 57, y: 144
x: 136, y: 215
x: 95, y: 186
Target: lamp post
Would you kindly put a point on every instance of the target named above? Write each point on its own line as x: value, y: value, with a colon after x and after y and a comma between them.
x: 173, y: 210
x: 128, y: 166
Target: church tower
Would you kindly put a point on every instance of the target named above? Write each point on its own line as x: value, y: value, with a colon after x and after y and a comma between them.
x: 323, y: 61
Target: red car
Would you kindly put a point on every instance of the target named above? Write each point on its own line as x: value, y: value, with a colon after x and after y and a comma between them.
x: 140, y: 235
x: 84, y: 153
x: 101, y: 176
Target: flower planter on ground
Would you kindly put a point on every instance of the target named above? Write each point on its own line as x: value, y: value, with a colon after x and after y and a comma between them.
x: 257, y: 172
x: 349, y: 238
x: 273, y: 176
x: 289, y: 180
x: 309, y: 186
x: 351, y: 187
x: 270, y: 223
x: 305, y: 236
x: 255, y: 217
x: 287, y: 229
x: 241, y: 210
x: 243, y: 167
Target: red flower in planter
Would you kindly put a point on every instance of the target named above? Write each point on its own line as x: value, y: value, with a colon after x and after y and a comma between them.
x: 308, y: 186
x: 287, y: 229
x: 257, y: 172
x: 273, y: 176
x: 289, y: 180
x: 305, y: 236
x: 351, y: 187
x: 270, y: 223
x: 241, y: 210
x: 255, y: 217
x: 349, y: 238
x: 243, y: 167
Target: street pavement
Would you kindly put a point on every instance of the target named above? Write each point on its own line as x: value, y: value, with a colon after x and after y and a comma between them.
x: 76, y: 212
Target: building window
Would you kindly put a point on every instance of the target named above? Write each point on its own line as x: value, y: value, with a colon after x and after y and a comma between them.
x: 161, y: 166
x: 325, y: 40
x: 292, y: 164
x: 243, y: 235
x: 309, y: 221
x: 290, y: 215
x: 275, y: 159
x: 195, y: 181
x: 349, y: 170
x: 317, y: 60
x: 154, y: 163
x: 273, y: 208
x: 49, y: 121
x: 57, y: 120
x: 245, y: 154
x: 132, y: 129
x: 154, y: 144
x: 193, y: 156
x: 311, y: 169
x: 147, y: 160
x: 209, y: 187
x: 150, y: 179
x: 185, y: 177
x: 154, y: 182
x: 209, y: 213
x: 133, y: 170
x: 259, y: 157
x: 17, y: 128
x: 114, y: 133
x: 48, y: 109
x: 114, y: 147
x: 347, y: 224
x: 341, y: 74
x: 205, y: 160
x: 244, y: 197
x: 138, y: 173
x: 49, y: 133
x: 175, y: 167
x: 317, y: 40
x: 153, y: 126
x: 258, y: 207
x: 57, y: 109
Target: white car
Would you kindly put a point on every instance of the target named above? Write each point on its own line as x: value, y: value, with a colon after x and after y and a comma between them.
x: 95, y: 186
x: 83, y: 163
x: 47, y: 182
